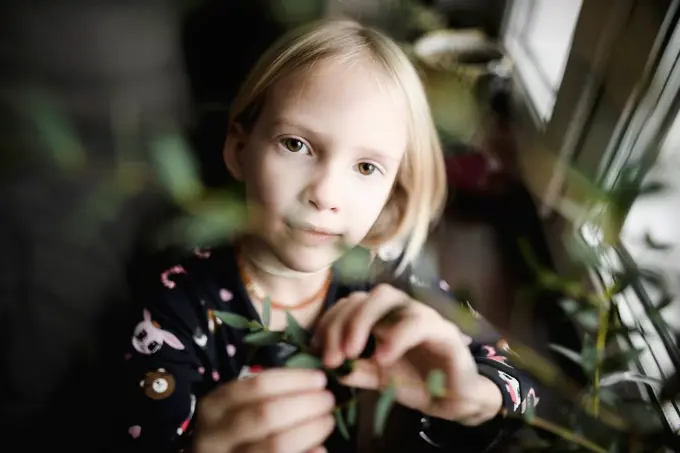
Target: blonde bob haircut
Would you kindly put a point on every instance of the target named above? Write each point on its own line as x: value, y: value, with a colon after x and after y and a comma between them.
x: 419, y: 192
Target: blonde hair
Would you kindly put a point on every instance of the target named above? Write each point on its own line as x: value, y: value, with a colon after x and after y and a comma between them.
x: 419, y: 193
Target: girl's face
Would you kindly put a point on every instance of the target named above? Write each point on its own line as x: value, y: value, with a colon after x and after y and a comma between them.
x: 320, y: 162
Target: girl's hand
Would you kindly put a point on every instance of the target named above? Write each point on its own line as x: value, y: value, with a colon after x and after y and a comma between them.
x: 279, y: 410
x: 412, y: 340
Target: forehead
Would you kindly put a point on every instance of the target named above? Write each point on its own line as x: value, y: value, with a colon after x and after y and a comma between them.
x: 350, y: 100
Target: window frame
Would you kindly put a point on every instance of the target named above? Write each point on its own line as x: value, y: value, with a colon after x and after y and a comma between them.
x: 599, y: 104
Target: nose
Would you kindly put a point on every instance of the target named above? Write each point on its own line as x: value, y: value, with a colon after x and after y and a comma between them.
x: 324, y: 190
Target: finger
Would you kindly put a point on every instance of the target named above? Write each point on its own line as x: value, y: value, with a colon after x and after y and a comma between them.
x: 268, y: 384
x: 329, y: 333
x: 412, y: 331
x: 378, y: 304
x: 300, y: 438
x: 258, y: 421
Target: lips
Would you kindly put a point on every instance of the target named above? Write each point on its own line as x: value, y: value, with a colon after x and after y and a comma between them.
x: 312, y: 235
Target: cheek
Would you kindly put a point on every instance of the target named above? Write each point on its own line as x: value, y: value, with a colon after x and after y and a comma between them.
x: 272, y: 183
x: 368, y: 202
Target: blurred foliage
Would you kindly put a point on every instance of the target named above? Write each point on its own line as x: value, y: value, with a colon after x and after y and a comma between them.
x: 601, y: 419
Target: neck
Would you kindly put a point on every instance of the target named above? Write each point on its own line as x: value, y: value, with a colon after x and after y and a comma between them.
x: 280, y: 283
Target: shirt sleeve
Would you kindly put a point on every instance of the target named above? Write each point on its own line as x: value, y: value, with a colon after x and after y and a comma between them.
x: 162, y: 378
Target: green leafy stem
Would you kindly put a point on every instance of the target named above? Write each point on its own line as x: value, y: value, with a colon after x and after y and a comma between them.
x: 346, y: 413
x: 294, y: 335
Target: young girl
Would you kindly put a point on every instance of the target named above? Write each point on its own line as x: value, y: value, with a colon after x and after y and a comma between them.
x: 332, y: 136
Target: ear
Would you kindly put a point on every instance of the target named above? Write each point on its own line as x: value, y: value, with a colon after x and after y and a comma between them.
x: 233, y: 150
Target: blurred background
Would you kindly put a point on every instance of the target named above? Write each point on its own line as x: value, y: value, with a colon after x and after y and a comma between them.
x: 559, y: 121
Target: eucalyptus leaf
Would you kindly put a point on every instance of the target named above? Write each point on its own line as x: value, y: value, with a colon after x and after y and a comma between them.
x: 55, y: 131
x: 340, y: 422
x: 304, y: 360
x: 263, y: 338
x: 529, y: 411
x: 355, y: 265
x: 436, y: 383
x: 568, y: 353
x: 651, y: 188
x: 233, y: 320
x: 352, y: 410
x: 620, y: 359
x: 655, y: 245
x: 622, y: 281
x: 589, y: 356
x: 627, y: 376
x: 176, y: 167
x: 346, y: 368
x: 266, y: 312
x: 654, y: 278
x: 294, y: 330
x: 666, y: 300
x: 383, y: 408
x: 209, y: 222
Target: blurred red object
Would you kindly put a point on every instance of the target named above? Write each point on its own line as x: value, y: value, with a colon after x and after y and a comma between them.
x: 474, y: 171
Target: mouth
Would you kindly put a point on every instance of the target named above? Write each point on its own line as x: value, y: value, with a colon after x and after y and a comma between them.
x: 311, y: 234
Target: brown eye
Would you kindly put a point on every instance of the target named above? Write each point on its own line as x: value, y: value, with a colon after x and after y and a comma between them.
x: 366, y: 168
x: 293, y: 145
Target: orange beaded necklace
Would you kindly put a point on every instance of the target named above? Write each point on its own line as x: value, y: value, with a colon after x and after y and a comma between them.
x: 256, y: 292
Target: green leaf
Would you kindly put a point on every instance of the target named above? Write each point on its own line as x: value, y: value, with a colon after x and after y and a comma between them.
x: 54, y: 130
x: 216, y: 217
x: 304, y: 360
x: 620, y: 359
x: 654, y: 278
x: 568, y: 353
x: 436, y: 383
x: 346, y: 368
x: 627, y: 376
x: 654, y: 245
x: 528, y: 254
x: 665, y: 301
x: 266, y: 312
x: 355, y: 265
x: 263, y: 338
x: 294, y: 331
x: 352, y: 412
x: 383, y: 408
x: 589, y: 356
x: 622, y: 281
x: 652, y: 188
x: 233, y: 320
x: 176, y: 167
x: 342, y: 426
x: 529, y: 411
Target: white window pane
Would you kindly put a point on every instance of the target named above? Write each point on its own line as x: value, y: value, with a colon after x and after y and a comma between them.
x: 538, y: 37
x: 659, y: 216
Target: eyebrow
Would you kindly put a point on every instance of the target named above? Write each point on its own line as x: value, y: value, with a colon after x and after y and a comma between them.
x: 369, y: 152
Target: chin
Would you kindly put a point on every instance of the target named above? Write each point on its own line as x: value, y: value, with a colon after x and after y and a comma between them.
x: 307, y: 259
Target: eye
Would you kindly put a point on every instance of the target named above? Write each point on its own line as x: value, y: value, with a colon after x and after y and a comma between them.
x: 366, y: 168
x: 294, y: 145
x: 141, y: 335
